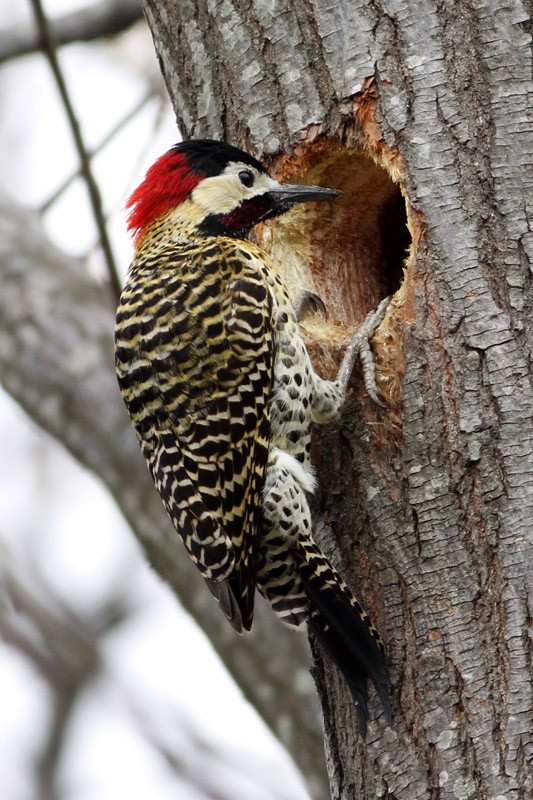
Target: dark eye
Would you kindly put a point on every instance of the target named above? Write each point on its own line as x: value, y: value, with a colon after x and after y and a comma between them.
x: 246, y: 178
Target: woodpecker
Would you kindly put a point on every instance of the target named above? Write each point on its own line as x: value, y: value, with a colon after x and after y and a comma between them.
x: 222, y: 394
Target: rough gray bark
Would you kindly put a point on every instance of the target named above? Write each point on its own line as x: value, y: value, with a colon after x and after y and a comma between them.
x: 56, y: 360
x: 429, y: 504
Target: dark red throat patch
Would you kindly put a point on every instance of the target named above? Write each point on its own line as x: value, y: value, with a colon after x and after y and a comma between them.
x: 167, y: 183
x: 247, y: 214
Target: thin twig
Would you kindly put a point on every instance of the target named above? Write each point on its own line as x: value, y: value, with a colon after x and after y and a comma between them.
x: 137, y: 164
x: 116, y: 128
x: 49, y: 48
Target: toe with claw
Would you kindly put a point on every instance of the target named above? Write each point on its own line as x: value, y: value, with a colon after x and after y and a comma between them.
x: 359, y: 347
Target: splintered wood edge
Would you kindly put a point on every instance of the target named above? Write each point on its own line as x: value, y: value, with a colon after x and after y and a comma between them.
x: 336, y: 249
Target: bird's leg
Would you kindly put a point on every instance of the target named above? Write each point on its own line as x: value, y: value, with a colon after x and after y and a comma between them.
x: 359, y: 347
x: 286, y: 516
x: 308, y: 301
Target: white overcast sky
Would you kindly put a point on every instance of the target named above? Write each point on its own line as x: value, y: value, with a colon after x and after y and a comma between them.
x: 160, y: 672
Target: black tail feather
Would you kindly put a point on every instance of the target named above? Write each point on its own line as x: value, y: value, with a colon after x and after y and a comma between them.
x: 356, y: 680
x: 347, y: 638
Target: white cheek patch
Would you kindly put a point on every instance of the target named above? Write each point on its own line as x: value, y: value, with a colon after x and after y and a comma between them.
x: 224, y: 193
x: 219, y: 195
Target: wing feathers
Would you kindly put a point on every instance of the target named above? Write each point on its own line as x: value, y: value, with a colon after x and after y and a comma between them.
x: 199, y: 400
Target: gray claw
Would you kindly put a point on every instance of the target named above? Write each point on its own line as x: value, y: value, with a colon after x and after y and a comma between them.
x: 359, y: 347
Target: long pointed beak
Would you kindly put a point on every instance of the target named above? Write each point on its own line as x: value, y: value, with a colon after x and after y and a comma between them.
x: 287, y: 194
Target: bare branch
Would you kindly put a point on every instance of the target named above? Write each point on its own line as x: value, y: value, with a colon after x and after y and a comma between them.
x: 49, y: 47
x: 62, y: 645
x: 106, y: 18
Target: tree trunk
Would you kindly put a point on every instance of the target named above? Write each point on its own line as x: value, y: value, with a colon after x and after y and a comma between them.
x: 420, y: 113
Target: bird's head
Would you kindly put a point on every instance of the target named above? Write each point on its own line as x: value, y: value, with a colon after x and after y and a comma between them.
x: 218, y: 188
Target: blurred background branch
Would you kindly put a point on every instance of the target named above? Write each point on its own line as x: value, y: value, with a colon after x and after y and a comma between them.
x: 48, y: 44
x: 62, y: 645
x: 94, y: 21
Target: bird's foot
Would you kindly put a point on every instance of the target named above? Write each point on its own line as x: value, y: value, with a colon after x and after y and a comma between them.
x: 308, y: 302
x: 359, y: 347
